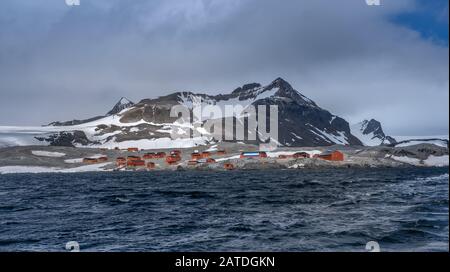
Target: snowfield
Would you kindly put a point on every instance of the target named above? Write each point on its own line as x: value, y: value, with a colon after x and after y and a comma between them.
x: 328, y: 137
x: 433, y: 161
x: 78, y: 160
x: 405, y: 138
x: 405, y: 159
x: 47, y: 154
x: 38, y: 169
x: 416, y: 142
x: 437, y: 161
x: 160, y: 143
x: 367, y: 139
x: 191, y: 100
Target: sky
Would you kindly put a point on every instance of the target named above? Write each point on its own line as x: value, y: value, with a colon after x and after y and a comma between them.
x: 387, y: 62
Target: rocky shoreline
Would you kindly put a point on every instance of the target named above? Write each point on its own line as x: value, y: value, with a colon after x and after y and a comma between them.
x: 44, y: 159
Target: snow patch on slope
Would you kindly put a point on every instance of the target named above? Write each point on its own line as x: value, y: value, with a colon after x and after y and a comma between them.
x: 432, y: 161
x: 191, y: 100
x: 38, y: 169
x: 340, y: 138
x: 367, y: 139
x: 47, y: 154
x: 416, y: 142
x: 438, y: 140
x: 438, y: 161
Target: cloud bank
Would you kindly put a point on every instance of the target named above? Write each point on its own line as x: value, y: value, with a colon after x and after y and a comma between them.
x: 59, y: 62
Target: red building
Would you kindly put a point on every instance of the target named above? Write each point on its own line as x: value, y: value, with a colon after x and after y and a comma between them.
x: 136, y: 163
x: 160, y: 155
x: 149, y: 156
x: 133, y: 158
x: 196, y: 156
x: 210, y: 160
x: 173, y: 159
x: 206, y: 154
x: 121, y: 161
x: 300, y: 155
x: 228, y: 166
x: 90, y: 160
x: 102, y: 159
x: 332, y: 156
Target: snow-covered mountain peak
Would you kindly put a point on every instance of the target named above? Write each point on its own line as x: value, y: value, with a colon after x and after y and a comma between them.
x: 123, y: 103
x: 371, y: 133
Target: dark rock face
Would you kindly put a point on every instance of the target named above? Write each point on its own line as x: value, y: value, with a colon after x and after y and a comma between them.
x: 303, y: 123
x: 246, y: 87
x: 67, y: 139
x: 374, y: 128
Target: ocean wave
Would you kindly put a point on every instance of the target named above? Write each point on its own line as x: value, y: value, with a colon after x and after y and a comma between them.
x: 434, y: 178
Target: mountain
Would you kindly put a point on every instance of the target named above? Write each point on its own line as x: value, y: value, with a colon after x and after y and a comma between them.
x: 124, y: 103
x: 147, y: 124
x: 371, y: 133
x: 121, y: 105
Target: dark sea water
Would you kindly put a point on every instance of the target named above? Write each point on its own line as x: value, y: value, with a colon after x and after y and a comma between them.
x: 310, y: 210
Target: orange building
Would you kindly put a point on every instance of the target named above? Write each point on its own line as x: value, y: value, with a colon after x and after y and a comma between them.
x: 133, y: 149
x: 136, y: 163
x: 206, y: 154
x: 196, y: 156
x: 102, y: 159
x: 121, y: 161
x: 173, y: 159
x: 160, y: 155
x: 149, y: 156
x: 332, y: 156
x: 90, y: 160
x: 210, y: 160
x: 300, y: 155
x: 221, y: 152
x: 133, y: 158
x: 228, y: 166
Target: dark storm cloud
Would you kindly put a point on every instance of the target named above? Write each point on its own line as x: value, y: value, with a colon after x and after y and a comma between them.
x: 59, y: 62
